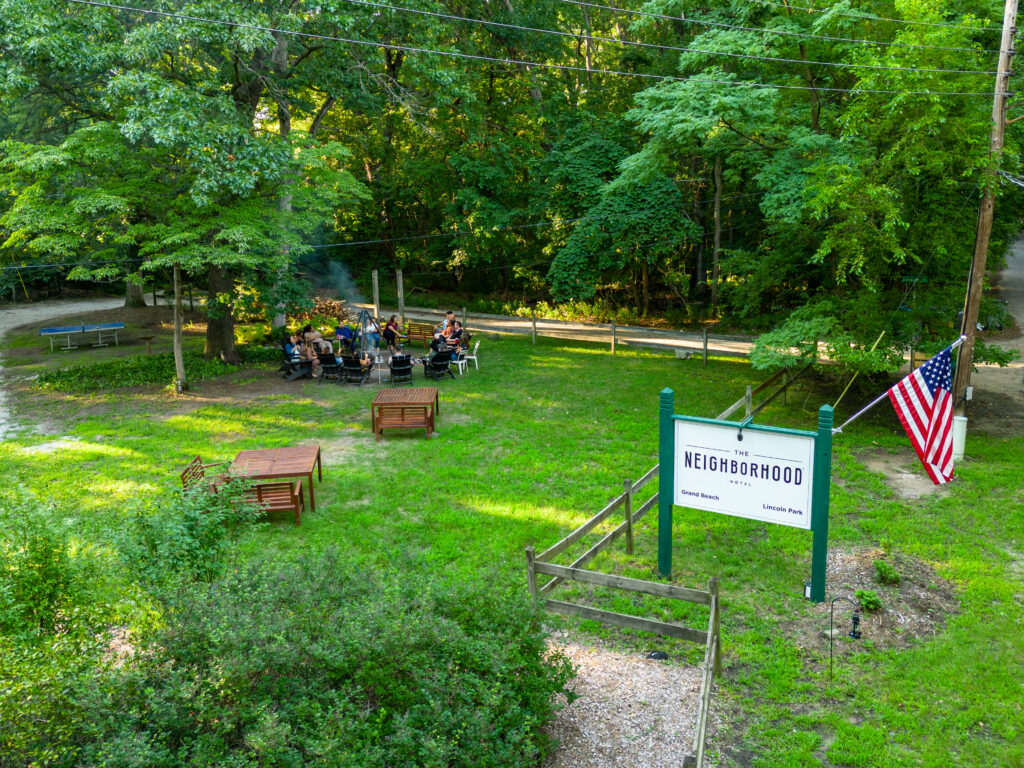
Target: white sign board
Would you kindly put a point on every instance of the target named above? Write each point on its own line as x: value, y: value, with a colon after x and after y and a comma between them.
x: 766, y: 476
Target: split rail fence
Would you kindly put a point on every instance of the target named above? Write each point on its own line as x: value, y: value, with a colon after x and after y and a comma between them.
x: 541, y: 565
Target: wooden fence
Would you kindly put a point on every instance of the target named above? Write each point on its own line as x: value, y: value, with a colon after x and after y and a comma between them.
x: 541, y: 565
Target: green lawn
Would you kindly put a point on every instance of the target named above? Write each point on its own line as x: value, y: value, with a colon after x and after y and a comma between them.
x: 538, y: 440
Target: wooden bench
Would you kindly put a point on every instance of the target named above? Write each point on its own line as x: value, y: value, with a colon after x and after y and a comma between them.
x: 279, y: 497
x: 422, y: 331
x: 404, y: 417
x: 196, y: 472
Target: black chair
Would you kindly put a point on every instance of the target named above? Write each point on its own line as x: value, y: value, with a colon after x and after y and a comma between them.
x: 330, y: 368
x: 353, y: 370
x: 438, y: 365
x: 295, y: 369
x: 401, y: 368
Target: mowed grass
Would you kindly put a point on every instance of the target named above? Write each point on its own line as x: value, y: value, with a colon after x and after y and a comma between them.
x: 538, y: 440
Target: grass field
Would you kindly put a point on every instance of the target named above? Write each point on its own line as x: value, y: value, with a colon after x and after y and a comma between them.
x: 535, y: 442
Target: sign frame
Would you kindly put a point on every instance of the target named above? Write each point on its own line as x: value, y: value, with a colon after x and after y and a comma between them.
x: 820, y: 481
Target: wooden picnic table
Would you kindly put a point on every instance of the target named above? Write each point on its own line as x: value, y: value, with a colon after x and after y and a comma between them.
x: 426, y: 396
x: 275, y: 463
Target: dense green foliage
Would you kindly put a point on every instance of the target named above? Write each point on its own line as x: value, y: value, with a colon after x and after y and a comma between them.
x: 842, y: 171
x: 146, y: 370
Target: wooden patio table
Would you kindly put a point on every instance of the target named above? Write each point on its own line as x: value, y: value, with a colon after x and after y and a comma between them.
x: 276, y: 463
x: 412, y: 396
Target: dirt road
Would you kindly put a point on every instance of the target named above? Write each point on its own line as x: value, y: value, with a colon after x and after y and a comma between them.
x: 14, y: 315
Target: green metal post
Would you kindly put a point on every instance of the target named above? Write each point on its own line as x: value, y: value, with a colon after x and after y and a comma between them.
x: 819, y: 501
x: 666, y: 480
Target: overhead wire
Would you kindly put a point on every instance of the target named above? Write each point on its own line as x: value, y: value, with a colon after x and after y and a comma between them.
x: 520, y: 62
x: 866, y: 17
x: 806, y: 35
x: 663, y: 47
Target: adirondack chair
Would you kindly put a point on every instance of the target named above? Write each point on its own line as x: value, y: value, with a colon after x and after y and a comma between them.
x: 438, y: 365
x: 353, y: 370
x: 330, y: 368
x: 401, y: 369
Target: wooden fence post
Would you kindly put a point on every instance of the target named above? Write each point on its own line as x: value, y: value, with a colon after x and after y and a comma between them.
x: 629, y: 516
x: 533, y: 326
x: 191, y: 306
x: 748, y: 400
x: 716, y: 623
x: 531, y: 574
x: 376, y: 295
x: 463, y: 317
x: 401, y: 296
x: 613, y: 337
x: 705, y: 330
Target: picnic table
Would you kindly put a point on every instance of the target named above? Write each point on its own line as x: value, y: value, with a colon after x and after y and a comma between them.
x: 423, y: 399
x: 276, y: 463
x: 110, y: 329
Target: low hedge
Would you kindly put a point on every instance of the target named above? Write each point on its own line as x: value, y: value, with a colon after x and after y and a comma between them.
x: 318, y: 663
x: 149, y: 370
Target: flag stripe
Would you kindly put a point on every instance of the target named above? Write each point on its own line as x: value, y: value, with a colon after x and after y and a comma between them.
x: 924, y: 404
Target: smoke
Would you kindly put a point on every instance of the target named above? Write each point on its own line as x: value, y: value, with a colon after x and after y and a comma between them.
x: 328, y: 277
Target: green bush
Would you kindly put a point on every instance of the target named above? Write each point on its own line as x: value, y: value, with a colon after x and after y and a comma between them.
x: 320, y: 663
x: 187, y: 536
x: 147, y: 370
x: 868, y: 600
x: 36, y: 582
x: 886, y: 574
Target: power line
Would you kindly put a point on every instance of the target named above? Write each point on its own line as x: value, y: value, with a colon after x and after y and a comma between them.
x: 661, y: 47
x: 520, y: 62
x: 723, y: 25
x: 864, y: 17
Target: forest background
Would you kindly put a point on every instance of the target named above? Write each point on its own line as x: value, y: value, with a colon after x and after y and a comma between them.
x: 810, y: 170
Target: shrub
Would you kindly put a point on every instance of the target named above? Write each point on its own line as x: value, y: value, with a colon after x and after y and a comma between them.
x: 319, y: 663
x: 886, y: 574
x: 188, y: 536
x: 146, y: 370
x: 868, y: 600
x: 36, y: 581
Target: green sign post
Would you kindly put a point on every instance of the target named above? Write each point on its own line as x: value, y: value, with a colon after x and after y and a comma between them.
x: 763, y: 478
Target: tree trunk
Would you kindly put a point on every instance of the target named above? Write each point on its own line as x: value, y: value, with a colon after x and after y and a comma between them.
x: 133, y: 296
x: 220, y: 324
x: 718, y: 236
x: 179, y: 357
x: 646, y: 280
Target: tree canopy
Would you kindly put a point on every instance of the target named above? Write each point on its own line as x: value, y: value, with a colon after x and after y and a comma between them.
x: 716, y: 159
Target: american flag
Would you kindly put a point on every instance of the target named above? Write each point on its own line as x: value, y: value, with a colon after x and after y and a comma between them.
x: 924, y: 403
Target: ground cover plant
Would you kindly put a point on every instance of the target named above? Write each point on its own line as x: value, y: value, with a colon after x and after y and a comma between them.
x: 528, y: 447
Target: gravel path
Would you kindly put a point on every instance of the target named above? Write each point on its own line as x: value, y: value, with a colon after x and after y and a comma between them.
x: 15, y: 315
x: 632, y: 712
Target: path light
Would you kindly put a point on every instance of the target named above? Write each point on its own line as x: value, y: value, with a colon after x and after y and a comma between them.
x: 854, y: 633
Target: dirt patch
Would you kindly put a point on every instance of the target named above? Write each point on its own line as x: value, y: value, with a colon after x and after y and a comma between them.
x: 916, y: 609
x: 903, y: 473
x: 344, y: 448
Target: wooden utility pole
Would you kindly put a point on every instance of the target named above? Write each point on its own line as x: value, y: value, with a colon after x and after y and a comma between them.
x: 988, y: 201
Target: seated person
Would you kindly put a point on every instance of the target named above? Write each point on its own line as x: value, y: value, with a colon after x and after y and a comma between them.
x: 293, y: 349
x: 372, y: 332
x: 392, y: 332
x: 455, y: 338
x: 437, y: 343
x: 345, y: 335
x: 324, y: 346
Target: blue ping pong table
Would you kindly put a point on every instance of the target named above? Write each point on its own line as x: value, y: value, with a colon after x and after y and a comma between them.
x: 100, y: 329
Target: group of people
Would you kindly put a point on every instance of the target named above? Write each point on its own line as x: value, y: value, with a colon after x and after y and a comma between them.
x: 308, y: 344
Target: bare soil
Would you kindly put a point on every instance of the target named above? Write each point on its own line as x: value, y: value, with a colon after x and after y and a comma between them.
x: 915, y: 610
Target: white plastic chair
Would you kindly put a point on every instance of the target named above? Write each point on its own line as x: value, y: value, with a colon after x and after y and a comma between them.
x: 467, y: 357
x: 460, y: 362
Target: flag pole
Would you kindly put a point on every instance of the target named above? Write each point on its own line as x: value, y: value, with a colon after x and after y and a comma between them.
x: 884, y: 395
